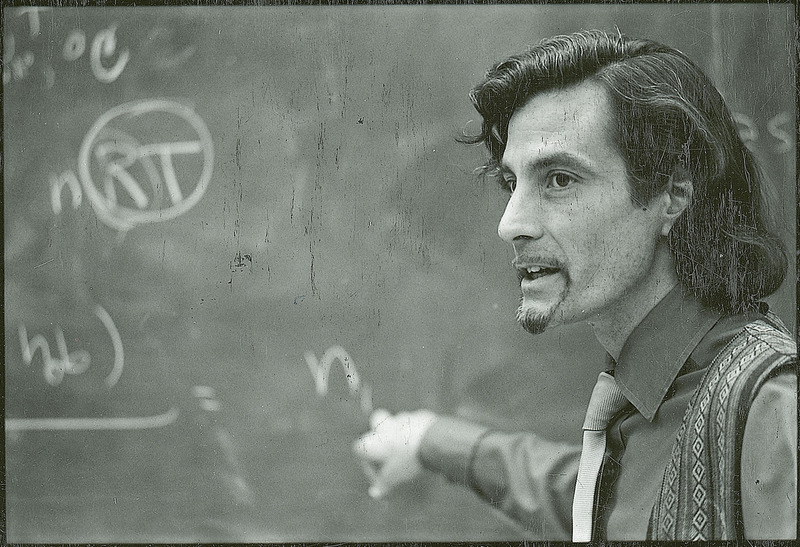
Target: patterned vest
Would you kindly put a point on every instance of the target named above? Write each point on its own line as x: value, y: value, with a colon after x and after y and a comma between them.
x: 700, y: 497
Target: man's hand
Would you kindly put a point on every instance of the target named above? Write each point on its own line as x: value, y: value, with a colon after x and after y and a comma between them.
x: 388, y: 453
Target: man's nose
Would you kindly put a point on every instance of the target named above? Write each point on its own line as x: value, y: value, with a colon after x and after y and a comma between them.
x: 521, y: 219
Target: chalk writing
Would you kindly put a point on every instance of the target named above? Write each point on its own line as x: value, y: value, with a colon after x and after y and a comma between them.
x: 785, y: 136
x: 33, y: 18
x: 92, y: 424
x: 15, y: 65
x: 101, y: 55
x: 116, y: 340
x: 232, y: 474
x: 73, y: 363
x: 114, y: 153
x: 320, y: 370
x: 18, y: 66
x: 104, y: 45
x: 9, y: 46
x: 749, y: 132
x: 165, y: 55
x: 57, y: 183
x: 54, y: 369
x: 74, y: 45
x: 366, y: 399
x: 207, y: 398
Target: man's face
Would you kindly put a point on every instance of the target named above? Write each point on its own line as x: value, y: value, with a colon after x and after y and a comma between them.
x: 582, y: 247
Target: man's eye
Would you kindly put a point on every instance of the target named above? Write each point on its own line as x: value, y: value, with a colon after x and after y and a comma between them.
x: 508, y: 184
x: 560, y: 181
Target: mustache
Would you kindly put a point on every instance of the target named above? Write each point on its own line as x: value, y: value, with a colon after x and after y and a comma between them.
x: 521, y: 261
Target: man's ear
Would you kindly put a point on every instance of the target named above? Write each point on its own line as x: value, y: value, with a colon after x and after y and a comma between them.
x: 678, y: 196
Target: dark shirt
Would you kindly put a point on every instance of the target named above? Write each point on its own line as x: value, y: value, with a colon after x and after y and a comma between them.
x: 659, y: 368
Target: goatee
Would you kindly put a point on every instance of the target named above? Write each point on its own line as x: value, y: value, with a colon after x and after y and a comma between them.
x: 533, y: 322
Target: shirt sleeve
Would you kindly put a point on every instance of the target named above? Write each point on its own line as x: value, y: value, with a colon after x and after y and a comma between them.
x: 529, y: 478
x: 769, y: 461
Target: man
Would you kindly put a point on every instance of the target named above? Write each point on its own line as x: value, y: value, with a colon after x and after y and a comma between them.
x: 633, y: 205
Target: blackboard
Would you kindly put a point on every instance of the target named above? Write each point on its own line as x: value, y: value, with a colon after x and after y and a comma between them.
x: 230, y: 232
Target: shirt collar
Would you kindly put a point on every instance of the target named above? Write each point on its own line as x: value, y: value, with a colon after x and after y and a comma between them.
x: 658, y: 347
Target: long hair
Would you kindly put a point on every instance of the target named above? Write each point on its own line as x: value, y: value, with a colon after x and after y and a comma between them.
x: 670, y: 121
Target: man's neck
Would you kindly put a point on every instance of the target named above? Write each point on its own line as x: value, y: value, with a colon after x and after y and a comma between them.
x: 613, y: 327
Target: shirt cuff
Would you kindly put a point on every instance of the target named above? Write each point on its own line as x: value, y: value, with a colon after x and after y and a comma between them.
x: 769, y: 461
x: 448, y: 446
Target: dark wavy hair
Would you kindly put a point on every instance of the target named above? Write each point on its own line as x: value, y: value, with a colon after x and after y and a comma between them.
x: 670, y: 120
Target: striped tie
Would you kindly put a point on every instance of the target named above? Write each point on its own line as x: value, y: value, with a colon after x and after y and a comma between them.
x: 607, y: 400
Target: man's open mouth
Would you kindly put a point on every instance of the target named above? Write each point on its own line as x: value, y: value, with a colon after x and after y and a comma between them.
x: 531, y: 273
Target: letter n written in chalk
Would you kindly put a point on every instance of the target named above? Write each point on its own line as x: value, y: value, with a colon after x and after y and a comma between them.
x: 57, y: 183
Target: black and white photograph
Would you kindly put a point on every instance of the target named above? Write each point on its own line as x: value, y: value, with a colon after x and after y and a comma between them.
x: 304, y: 272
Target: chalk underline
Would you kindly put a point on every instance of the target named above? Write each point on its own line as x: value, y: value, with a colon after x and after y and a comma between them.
x: 94, y: 424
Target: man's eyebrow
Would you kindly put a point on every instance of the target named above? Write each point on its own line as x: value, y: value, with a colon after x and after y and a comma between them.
x: 555, y: 159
